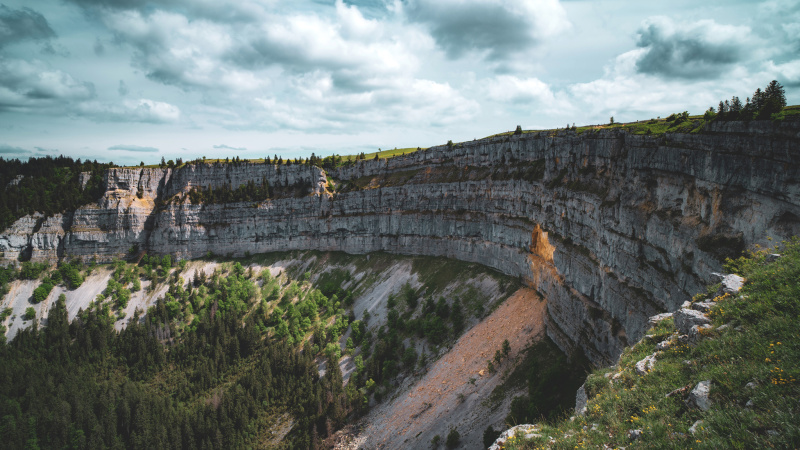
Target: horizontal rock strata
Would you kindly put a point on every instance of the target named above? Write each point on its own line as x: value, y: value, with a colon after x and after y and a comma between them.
x: 610, y: 227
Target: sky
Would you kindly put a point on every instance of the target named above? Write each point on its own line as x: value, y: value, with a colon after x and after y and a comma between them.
x: 134, y: 80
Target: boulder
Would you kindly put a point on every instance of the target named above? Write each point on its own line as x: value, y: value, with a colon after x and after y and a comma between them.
x: 646, y: 365
x: 529, y: 431
x: 772, y: 258
x: 731, y: 283
x: 698, y: 398
x: 685, y: 319
x: 703, y: 307
x: 658, y: 318
x: 696, y: 333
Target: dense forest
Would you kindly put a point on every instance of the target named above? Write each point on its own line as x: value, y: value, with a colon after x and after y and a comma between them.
x: 47, y: 185
x: 225, y: 359
x: 174, y: 379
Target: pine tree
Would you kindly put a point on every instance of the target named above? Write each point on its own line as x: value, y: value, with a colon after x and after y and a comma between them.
x: 736, y: 104
x: 758, y: 99
x: 776, y: 91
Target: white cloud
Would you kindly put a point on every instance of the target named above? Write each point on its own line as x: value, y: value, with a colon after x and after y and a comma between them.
x: 788, y: 73
x: 509, y: 88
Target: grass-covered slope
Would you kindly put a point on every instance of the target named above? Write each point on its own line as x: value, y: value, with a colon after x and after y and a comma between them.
x: 750, y: 355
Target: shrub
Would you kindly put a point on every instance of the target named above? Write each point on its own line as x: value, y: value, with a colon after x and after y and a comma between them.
x: 41, y: 292
x: 489, y: 436
x: 71, y: 275
x: 31, y: 270
x: 410, y: 357
x: 453, y: 438
x: 30, y: 313
x: 123, y: 296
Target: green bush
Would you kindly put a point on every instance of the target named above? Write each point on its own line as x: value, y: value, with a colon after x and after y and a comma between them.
x: 41, y: 292
x: 123, y: 296
x: 453, y: 439
x: 30, y: 313
x: 71, y: 275
x: 31, y: 270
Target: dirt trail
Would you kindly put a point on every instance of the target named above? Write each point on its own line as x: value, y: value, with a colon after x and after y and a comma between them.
x: 445, y: 398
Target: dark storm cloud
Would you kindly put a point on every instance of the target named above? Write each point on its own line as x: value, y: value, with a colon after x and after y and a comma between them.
x: 10, y: 150
x: 23, y: 24
x: 133, y: 148
x: 213, y: 10
x: 30, y: 85
x: 473, y: 26
x: 701, y: 50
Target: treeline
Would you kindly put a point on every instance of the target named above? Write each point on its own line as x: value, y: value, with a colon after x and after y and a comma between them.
x: 761, y: 106
x: 248, y: 192
x: 219, y: 385
x: 47, y: 185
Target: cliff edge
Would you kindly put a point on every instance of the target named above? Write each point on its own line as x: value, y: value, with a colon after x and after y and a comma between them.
x: 610, y: 227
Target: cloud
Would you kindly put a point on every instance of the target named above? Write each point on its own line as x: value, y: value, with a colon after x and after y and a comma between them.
x: 509, y: 88
x: 23, y: 24
x: 780, y: 20
x: 175, y: 50
x: 788, y: 73
x: 697, y: 50
x: 227, y: 147
x: 27, y: 85
x: 123, y: 89
x: 142, y: 110
x: 133, y: 148
x: 498, y: 28
x: 10, y: 150
x: 234, y: 11
x: 302, y: 71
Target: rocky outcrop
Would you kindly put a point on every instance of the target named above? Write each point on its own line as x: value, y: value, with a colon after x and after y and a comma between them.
x: 612, y: 228
x: 15, y: 242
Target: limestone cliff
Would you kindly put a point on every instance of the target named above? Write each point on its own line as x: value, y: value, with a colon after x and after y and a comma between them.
x: 611, y: 227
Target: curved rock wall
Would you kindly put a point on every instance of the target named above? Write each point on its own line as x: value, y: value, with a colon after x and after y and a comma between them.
x: 610, y: 227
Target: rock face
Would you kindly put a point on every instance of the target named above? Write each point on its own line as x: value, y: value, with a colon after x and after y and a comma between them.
x: 612, y: 228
